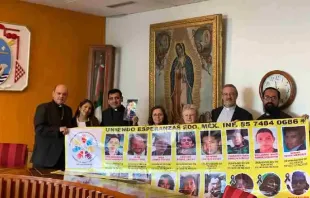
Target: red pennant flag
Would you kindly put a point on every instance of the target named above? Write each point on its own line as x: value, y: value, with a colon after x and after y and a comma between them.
x: 19, y: 72
x: 231, y: 192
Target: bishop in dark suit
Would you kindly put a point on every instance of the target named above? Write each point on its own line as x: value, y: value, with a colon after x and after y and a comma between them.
x: 230, y: 111
x: 51, y: 123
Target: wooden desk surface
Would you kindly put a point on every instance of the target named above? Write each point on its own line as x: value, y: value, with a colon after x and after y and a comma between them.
x: 14, y: 171
x: 134, y: 189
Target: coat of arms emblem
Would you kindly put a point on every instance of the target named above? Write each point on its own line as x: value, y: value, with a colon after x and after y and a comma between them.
x: 14, y: 57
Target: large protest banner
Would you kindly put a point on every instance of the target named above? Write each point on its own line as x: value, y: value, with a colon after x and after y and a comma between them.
x: 268, y: 158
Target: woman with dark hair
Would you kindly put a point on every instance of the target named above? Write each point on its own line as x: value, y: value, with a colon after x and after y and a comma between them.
x: 158, y: 116
x: 84, y: 115
x: 166, y: 181
x: 189, y: 185
x: 243, y: 182
x: 112, y: 145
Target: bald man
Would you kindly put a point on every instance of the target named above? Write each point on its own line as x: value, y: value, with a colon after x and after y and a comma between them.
x: 51, y: 123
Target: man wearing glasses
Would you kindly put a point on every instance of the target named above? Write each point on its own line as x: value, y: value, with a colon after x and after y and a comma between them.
x: 230, y: 111
x: 271, y: 99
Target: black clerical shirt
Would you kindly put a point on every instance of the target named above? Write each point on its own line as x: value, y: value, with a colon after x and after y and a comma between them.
x: 280, y: 115
x: 114, y: 117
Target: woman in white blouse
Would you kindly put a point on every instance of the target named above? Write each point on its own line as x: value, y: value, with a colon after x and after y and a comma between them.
x: 84, y: 115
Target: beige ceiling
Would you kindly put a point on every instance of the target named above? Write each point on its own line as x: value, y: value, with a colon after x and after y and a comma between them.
x: 99, y: 7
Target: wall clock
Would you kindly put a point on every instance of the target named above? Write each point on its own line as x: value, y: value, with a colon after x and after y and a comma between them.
x: 281, y: 81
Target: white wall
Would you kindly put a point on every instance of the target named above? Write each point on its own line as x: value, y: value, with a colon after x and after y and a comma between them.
x: 261, y: 35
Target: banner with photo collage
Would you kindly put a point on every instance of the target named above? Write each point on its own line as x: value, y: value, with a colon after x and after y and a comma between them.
x: 267, y: 158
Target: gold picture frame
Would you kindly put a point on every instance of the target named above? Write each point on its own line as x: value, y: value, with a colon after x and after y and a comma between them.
x: 185, y: 63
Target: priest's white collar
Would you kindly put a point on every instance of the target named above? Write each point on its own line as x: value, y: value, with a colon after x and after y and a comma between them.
x: 229, y: 108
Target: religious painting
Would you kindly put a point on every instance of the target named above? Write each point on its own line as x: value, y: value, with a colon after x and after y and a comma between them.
x: 14, y: 57
x: 186, y: 65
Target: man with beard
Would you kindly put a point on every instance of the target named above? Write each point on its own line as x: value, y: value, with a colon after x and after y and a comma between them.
x: 114, y: 115
x: 213, y: 186
x: 271, y: 99
x: 230, y: 110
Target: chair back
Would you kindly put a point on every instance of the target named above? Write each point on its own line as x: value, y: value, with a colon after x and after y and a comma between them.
x: 13, y: 155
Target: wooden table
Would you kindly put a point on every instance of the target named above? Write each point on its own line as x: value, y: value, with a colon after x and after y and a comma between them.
x: 115, y: 187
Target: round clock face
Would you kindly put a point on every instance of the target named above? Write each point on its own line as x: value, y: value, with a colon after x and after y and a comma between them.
x: 281, y: 83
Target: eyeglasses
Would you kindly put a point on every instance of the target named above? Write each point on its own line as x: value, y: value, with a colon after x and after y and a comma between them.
x: 273, y: 98
x: 228, y: 94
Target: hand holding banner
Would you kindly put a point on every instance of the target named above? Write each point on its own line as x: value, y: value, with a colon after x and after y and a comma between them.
x: 266, y: 158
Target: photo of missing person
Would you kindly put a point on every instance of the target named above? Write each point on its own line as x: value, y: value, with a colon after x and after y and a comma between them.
x: 271, y: 184
x: 243, y: 182
x: 211, y: 142
x: 114, y: 144
x: 215, y: 184
x: 297, y: 183
x: 266, y: 140
x: 294, y: 138
x: 186, y: 143
x: 82, y: 180
x: 131, y: 109
x: 161, y: 144
x: 189, y: 184
x: 166, y: 181
x: 137, y: 144
x: 142, y: 177
x: 119, y: 175
x: 237, y: 141
x: 97, y: 174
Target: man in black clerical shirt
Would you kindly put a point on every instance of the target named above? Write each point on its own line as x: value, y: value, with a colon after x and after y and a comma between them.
x: 271, y: 99
x: 51, y: 123
x: 114, y: 115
